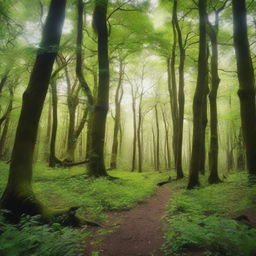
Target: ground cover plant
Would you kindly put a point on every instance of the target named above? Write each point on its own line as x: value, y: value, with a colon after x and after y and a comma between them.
x: 204, y: 218
x: 65, y: 188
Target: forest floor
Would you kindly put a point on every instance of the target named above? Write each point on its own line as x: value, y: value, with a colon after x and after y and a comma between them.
x: 136, y: 232
x: 136, y: 216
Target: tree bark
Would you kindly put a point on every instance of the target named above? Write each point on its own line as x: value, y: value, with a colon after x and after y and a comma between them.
x: 167, y: 146
x: 215, y: 81
x: 181, y: 95
x: 139, y: 131
x: 134, y: 145
x: 246, y: 90
x: 52, y: 158
x: 18, y: 196
x: 96, y: 159
x: 48, y: 131
x: 117, y: 119
x: 157, y: 140
x: 200, y: 95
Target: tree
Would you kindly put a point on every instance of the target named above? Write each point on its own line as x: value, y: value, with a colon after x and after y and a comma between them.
x: 117, y: 118
x: 246, y: 79
x: 199, y: 97
x: 18, y: 196
x: 96, y: 159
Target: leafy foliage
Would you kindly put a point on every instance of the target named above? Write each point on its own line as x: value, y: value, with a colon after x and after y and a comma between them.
x: 30, y: 237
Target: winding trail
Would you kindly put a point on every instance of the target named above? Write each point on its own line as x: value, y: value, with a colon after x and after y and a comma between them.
x: 137, y: 232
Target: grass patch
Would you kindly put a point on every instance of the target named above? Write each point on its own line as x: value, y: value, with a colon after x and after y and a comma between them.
x: 200, y: 218
x: 60, y: 188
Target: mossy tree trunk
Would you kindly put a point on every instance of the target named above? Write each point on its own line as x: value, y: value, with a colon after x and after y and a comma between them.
x: 198, y: 102
x: 96, y: 158
x: 18, y: 196
x: 246, y: 79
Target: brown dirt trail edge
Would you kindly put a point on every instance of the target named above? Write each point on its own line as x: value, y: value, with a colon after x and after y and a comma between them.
x: 139, y: 231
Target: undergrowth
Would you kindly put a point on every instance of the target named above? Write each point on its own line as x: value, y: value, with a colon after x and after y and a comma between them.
x: 30, y: 237
x: 202, y: 218
x: 59, y: 188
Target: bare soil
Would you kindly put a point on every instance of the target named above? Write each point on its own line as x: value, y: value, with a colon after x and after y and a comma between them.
x: 136, y: 232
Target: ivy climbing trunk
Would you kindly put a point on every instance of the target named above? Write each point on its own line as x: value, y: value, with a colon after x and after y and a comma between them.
x: 96, y: 157
x: 246, y: 90
x: 200, y: 94
x: 18, y: 196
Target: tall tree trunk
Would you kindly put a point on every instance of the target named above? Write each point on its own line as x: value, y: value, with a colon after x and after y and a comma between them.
x: 157, y: 140
x: 215, y: 81
x: 52, y: 158
x: 154, y: 147
x: 246, y: 90
x: 117, y: 119
x: 167, y: 146
x: 96, y: 159
x: 203, y: 140
x: 134, y: 145
x: 3, y: 138
x: 80, y: 75
x: 48, y: 131
x: 18, y: 196
x: 181, y: 95
x: 139, y: 130
x: 200, y: 94
x: 240, y: 152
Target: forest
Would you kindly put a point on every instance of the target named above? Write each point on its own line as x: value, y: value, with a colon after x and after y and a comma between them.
x: 127, y: 128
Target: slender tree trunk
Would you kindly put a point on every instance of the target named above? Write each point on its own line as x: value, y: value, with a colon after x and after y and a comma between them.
x: 117, y: 119
x: 200, y: 94
x: 246, y: 90
x: 80, y: 75
x: 167, y: 146
x: 18, y: 196
x: 203, y: 140
x: 52, y: 157
x: 3, y: 138
x: 139, y: 135
x: 215, y: 80
x: 48, y: 131
x: 120, y: 139
x: 240, y: 152
x: 154, y: 148
x: 181, y: 95
x: 134, y: 130
x: 157, y: 140
x: 96, y: 159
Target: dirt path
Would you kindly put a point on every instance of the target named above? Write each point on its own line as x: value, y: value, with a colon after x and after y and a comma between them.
x: 138, y: 232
